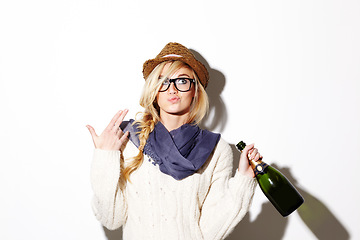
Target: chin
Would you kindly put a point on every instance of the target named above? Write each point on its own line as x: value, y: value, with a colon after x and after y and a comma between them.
x: 178, y: 112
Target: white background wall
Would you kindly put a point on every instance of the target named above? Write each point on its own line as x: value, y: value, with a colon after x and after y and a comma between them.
x: 284, y: 74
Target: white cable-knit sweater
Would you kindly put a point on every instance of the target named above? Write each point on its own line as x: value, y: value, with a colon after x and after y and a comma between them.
x: 206, y: 205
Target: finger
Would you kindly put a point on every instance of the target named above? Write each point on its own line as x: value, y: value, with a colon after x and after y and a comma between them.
x: 247, y: 149
x: 123, y: 138
x: 93, y: 133
x: 253, y: 153
x: 257, y: 157
x: 113, y: 120
x: 119, y: 133
x: 120, y: 119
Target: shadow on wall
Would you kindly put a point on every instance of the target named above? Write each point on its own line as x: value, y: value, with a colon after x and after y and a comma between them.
x: 316, y: 216
x: 113, y: 234
x: 217, y: 117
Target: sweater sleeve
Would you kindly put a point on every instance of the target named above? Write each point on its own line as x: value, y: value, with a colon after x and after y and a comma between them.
x: 228, y: 199
x: 108, y: 204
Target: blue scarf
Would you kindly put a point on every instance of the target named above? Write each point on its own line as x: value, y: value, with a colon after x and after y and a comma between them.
x: 180, y: 152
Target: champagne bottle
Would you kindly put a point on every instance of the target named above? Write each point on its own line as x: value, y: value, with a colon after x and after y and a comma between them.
x: 276, y: 187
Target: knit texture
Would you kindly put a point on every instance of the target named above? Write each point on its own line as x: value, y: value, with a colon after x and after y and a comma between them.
x: 205, y: 205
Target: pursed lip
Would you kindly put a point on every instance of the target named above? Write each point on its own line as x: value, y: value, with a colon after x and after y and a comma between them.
x: 173, y: 99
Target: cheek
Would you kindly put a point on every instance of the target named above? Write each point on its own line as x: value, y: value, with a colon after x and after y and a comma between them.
x: 188, y: 99
x: 191, y: 95
x: 159, y: 99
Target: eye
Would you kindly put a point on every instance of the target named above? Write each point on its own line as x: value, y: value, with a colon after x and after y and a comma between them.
x: 181, y: 81
x: 166, y: 82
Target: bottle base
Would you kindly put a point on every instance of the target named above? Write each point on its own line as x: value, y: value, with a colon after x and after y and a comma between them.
x: 290, y: 210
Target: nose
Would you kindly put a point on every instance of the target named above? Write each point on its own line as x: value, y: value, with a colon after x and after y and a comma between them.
x: 172, y: 88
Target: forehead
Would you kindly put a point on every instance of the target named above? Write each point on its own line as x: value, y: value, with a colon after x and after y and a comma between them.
x: 183, y: 71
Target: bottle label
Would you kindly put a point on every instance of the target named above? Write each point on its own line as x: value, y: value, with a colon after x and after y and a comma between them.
x: 260, y: 168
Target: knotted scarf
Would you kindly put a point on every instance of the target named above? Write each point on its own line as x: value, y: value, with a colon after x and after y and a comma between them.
x: 180, y: 152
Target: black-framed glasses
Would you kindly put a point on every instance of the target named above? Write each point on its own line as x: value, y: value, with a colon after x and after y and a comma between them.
x: 181, y: 84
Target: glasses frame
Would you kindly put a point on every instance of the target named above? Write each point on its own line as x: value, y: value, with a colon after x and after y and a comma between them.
x: 174, y: 81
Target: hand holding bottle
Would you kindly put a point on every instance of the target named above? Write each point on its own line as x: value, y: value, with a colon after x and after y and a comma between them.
x: 276, y: 187
x: 248, y: 153
x: 112, y: 138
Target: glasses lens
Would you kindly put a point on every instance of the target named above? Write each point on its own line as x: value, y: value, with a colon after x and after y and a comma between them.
x: 165, y: 85
x: 182, y: 84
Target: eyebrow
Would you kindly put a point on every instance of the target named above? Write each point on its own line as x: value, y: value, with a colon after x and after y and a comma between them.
x: 182, y: 75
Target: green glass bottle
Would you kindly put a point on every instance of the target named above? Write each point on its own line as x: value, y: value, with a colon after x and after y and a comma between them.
x: 276, y: 187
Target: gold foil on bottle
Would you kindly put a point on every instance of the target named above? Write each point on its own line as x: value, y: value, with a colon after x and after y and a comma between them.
x: 255, y: 164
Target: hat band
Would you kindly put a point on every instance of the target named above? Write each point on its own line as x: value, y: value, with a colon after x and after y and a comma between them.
x: 172, y: 55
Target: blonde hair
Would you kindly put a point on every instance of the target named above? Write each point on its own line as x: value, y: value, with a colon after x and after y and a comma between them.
x: 148, y: 119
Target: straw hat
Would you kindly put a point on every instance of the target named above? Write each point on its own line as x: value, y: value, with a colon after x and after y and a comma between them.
x: 176, y: 51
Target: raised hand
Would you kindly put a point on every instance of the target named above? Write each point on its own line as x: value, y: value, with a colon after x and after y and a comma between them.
x: 112, y: 138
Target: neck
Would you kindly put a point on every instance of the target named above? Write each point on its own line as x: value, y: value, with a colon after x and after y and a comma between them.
x: 172, y: 122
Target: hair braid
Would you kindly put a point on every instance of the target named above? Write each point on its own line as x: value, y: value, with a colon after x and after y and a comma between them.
x: 146, y: 124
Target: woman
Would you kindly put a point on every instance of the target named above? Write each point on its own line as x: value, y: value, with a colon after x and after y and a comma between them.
x: 172, y: 180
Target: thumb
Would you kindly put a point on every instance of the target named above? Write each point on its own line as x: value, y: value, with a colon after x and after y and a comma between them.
x: 92, y: 132
x: 244, y: 160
